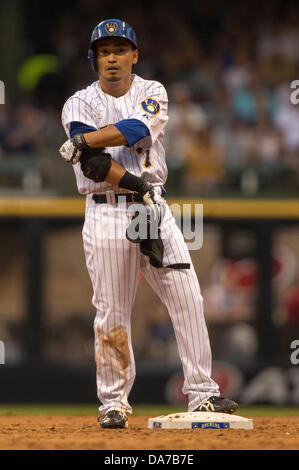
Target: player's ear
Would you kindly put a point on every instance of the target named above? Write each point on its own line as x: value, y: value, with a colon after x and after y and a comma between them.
x: 135, y: 56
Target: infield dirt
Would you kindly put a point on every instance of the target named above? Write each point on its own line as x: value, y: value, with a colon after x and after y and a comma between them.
x: 83, y: 433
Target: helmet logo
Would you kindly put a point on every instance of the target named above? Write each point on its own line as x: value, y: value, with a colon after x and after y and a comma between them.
x: 111, y: 28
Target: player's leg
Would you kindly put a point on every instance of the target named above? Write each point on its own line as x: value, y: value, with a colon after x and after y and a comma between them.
x: 113, y: 264
x: 179, y: 290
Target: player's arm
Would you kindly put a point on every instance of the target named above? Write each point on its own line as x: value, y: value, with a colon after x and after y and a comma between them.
x: 87, y: 144
x: 125, y: 132
x: 108, y: 136
x: 98, y: 165
x: 122, y: 178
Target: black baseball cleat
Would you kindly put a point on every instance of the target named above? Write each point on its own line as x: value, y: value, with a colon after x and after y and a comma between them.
x: 114, y: 419
x: 218, y: 405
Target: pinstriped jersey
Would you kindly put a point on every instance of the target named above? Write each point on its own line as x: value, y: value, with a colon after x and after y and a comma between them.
x: 147, y: 101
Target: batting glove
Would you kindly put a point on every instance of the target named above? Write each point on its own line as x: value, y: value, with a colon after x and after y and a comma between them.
x: 152, y: 199
x: 71, y: 150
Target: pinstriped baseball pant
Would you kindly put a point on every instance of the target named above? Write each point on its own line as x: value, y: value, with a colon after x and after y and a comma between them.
x: 114, y: 264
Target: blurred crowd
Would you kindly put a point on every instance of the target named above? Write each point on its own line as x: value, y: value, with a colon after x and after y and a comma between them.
x: 228, y: 70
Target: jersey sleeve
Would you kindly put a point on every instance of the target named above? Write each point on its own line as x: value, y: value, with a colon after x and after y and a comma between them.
x: 133, y: 130
x: 152, y: 111
x: 77, y: 110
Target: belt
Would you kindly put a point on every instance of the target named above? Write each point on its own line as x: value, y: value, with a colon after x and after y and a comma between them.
x: 102, y: 198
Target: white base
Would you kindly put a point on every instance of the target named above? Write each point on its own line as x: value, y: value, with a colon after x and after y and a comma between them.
x: 200, y: 420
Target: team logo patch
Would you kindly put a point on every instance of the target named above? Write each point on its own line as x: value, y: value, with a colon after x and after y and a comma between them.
x: 151, y: 106
x: 111, y: 28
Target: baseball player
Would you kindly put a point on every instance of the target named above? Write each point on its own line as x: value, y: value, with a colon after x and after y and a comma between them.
x: 115, y: 128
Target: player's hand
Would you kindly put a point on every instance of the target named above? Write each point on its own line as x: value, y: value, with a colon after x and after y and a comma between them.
x: 71, y: 150
x: 151, y: 198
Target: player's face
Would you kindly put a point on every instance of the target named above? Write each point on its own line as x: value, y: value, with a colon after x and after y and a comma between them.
x: 115, y: 58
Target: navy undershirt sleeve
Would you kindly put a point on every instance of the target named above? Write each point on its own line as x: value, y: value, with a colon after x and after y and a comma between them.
x: 78, y: 127
x: 133, y: 130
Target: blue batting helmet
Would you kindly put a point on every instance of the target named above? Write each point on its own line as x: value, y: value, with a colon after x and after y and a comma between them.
x: 110, y: 28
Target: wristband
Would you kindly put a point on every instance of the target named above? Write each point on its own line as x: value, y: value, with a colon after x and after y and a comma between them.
x: 80, y: 141
x: 133, y: 183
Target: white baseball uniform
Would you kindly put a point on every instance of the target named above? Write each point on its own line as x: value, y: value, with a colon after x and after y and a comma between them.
x: 114, y: 263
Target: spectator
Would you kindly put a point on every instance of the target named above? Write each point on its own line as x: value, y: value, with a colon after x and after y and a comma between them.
x: 253, y: 101
x: 204, y: 165
x: 186, y: 118
x: 24, y: 132
x: 267, y: 143
x: 239, y: 74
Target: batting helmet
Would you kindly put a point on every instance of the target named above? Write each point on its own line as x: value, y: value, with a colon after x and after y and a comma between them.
x: 110, y: 28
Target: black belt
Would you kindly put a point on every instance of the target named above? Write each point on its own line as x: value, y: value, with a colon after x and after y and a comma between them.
x: 102, y: 198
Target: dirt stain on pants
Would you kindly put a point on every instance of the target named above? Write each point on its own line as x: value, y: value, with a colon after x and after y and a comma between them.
x: 116, y: 346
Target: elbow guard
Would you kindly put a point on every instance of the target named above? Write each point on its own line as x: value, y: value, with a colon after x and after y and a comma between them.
x: 95, y: 164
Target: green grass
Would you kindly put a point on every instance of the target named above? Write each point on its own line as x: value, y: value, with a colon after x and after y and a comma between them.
x: 138, y: 410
